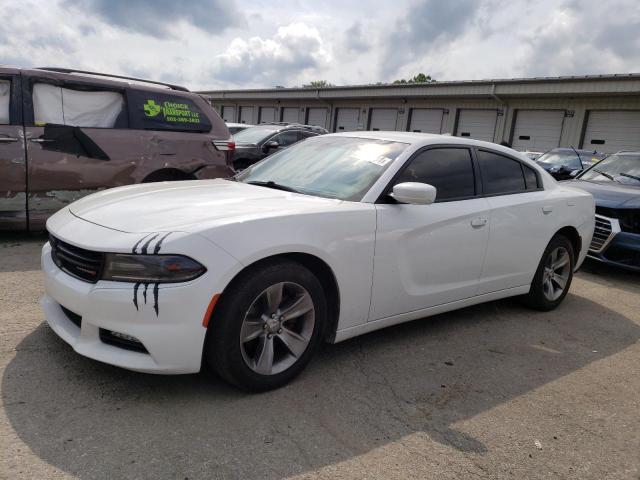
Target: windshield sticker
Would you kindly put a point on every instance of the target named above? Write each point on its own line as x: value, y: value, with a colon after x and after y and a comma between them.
x: 381, y: 160
x: 173, y: 112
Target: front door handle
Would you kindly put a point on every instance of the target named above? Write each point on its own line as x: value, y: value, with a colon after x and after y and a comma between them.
x: 547, y: 209
x: 8, y: 139
x: 478, y: 222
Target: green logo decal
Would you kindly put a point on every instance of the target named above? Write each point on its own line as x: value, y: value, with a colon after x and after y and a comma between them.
x: 151, y: 108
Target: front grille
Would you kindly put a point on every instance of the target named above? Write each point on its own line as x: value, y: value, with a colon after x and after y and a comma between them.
x: 601, y: 234
x: 78, y: 262
x: 629, y: 218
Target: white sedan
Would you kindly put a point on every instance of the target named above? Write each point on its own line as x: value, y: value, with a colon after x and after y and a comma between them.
x: 334, y: 237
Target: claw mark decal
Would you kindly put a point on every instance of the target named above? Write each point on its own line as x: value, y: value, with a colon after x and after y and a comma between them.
x: 155, y: 298
x: 156, y: 249
x: 144, y: 244
x: 135, y: 295
x: 147, y: 243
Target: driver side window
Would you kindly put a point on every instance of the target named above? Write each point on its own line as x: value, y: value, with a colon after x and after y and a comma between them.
x: 450, y: 170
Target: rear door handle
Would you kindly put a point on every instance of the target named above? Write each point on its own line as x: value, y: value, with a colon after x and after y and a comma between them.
x: 8, y: 139
x: 547, y: 209
x: 478, y: 222
x: 41, y: 140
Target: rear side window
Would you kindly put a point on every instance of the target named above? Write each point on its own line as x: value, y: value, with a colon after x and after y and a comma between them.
x: 450, y: 170
x: 79, y: 108
x: 530, y: 178
x: 5, y: 101
x: 500, y: 174
x: 150, y: 110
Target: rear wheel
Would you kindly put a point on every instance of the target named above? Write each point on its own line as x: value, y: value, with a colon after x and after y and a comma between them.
x: 554, y: 275
x: 267, y: 327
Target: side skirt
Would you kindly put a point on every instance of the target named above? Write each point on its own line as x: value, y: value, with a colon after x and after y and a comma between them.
x: 350, y: 332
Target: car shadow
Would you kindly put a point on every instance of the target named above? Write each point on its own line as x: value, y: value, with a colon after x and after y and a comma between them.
x: 96, y: 421
x: 610, y: 276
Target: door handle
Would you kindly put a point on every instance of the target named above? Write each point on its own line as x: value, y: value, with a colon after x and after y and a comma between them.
x: 547, y: 209
x: 478, y: 222
x: 8, y: 139
x: 41, y: 140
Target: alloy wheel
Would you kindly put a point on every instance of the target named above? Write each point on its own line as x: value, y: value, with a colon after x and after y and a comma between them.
x: 557, y: 271
x: 277, y: 328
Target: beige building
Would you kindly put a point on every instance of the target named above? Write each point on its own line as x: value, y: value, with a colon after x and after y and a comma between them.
x: 592, y: 112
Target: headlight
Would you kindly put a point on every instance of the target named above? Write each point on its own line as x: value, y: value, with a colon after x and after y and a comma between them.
x: 121, y: 267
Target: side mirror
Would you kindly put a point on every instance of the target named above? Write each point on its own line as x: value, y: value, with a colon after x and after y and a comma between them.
x: 414, y: 193
x: 574, y: 173
x: 270, y: 145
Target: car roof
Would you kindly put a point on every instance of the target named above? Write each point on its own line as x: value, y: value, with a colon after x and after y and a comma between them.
x: 423, y: 139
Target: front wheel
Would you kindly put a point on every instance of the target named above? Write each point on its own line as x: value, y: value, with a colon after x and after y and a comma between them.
x: 554, y: 275
x: 269, y: 324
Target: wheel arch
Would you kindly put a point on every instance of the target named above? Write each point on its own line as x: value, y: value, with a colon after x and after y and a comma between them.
x: 574, y: 237
x: 313, y: 263
x: 164, y: 174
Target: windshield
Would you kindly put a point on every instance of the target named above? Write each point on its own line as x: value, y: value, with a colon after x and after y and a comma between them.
x: 621, y: 168
x: 253, y: 134
x: 568, y: 159
x: 344, y: 168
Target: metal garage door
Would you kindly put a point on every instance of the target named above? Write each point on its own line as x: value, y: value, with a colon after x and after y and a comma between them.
x: 478, y: 124
x: 347, y: 119
x: 290, y: 114
x: 383, y: 118
x: 317, y: 117
x: 537, y: 130
x: 246, y: 115
x: 228, y: 113
x: 267, y: 114
x: 427, y: 120
x: 611, y: 131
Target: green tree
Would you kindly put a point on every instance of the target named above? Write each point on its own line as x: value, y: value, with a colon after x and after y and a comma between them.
x: 317, y: 84
x: 419, y: 78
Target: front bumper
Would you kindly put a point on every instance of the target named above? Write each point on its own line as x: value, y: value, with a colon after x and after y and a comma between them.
x: 173, y: 338
x: 615, y: 247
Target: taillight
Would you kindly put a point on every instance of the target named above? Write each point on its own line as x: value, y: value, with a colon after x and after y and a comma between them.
x: 225, y: 145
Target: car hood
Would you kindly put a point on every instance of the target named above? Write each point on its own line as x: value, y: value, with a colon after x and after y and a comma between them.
x: 610, y: 195
x: 190, y: 205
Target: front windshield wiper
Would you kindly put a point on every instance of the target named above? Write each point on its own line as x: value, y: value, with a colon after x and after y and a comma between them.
x: 629, y: 176
x: 604, y: 174
x: 274, y: 185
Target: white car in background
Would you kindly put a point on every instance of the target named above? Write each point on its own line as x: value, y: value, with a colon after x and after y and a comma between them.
x: 331, y: 238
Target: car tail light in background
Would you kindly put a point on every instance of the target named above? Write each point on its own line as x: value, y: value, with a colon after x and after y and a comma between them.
x: 228, y: 145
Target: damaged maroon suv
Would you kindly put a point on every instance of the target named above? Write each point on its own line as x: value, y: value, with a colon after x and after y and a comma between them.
x: 67, y: 133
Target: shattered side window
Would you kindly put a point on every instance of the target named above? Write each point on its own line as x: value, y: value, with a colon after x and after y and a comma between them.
x: 152, y: 110
x: 5, y: 100
x: 78, y: 108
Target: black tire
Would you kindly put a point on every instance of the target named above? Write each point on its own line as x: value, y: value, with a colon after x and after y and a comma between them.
x: 223, y: 351
x: 538, y: 297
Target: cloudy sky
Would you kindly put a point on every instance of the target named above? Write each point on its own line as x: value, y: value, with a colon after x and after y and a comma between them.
x: 210, y: 44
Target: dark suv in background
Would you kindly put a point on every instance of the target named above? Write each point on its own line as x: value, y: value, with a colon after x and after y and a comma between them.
x: 615, y: 185
x: 255, y: 143
x: 67, y: 133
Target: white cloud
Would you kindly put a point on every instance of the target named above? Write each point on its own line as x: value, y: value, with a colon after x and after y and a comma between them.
x: 293, y: 52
